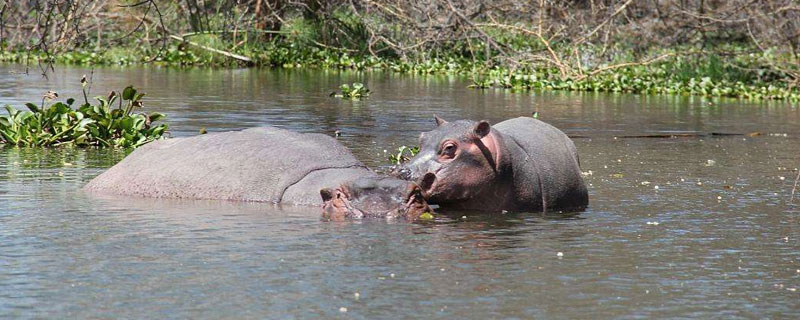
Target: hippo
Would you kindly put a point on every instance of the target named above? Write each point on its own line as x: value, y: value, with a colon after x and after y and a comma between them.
x: 264, y: 165
x: 520, y: 164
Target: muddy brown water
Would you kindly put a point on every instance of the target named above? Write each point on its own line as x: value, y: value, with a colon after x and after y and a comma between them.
x: 697, y: 227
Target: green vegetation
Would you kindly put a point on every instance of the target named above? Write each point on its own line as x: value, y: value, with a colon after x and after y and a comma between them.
x: 426, y: 216
x: 101, y: 124
x: 690, y: 47
x: 356, y: 91
x: 682, y: 75
x: 404, y: 153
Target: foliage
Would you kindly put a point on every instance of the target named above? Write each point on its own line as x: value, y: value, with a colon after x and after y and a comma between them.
x: 356, y: 91
x: 404, y: 153
x: 701, y: 74
x: 739, y: 48
x: 99, y: 124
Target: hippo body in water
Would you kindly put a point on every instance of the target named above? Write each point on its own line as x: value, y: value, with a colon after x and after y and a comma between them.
x: 264, y: 165
x: 520, y: 164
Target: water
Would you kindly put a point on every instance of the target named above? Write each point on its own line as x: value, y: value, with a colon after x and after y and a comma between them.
x: 716, y: 239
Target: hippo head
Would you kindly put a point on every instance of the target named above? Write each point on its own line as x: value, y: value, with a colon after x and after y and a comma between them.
x: 383, y: 197
x: 456, y: 161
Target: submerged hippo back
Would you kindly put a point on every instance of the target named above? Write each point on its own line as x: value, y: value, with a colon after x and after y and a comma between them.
x: 257, y: 164
x: 549, y: 162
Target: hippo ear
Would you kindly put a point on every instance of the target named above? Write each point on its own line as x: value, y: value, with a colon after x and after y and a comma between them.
x: 481, y: 129
x: 326, y: 194
x: 439, y: 121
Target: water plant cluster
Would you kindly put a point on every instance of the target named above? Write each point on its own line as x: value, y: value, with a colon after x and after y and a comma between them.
x: 699, y: 75
x: 355, y: 91
x: 110, y: 122
x: 659, y: 47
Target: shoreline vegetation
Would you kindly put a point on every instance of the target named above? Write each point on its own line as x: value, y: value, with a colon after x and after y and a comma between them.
x: 739, y: 49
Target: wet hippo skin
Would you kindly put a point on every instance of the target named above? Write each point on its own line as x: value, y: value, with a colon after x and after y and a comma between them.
x: 264, y: 165
x: 521, y: 164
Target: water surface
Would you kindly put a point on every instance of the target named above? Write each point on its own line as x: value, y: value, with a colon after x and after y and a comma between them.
x: 684, y: 227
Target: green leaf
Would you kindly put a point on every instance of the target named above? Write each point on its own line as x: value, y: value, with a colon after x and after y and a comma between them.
x: 126, y: 123
x: 59, y: 108
x: 25, y: 115
x: 138, y: 122
x: 158, y: 131
x: 128, y: 93
x: 83, y: 123
x: 9, y: 137
x: 11, y: 111
x: 32, y: 107
x: 155, y: 116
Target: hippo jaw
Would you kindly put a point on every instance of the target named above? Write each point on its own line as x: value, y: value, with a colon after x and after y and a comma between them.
x: 374, y: 197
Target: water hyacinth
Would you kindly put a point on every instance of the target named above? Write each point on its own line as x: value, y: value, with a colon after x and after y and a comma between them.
x: 698, y: 75
x: 100, y: 124
x: 356, y: 91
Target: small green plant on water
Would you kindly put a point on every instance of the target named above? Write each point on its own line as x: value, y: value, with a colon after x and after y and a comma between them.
x: 404, y: 153
x: 481, y: 83
x: 100, y: 124
x: 356, y: 91
x: 426, y: 216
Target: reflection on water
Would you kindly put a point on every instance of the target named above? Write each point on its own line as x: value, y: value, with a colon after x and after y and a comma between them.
x: 668, y: 233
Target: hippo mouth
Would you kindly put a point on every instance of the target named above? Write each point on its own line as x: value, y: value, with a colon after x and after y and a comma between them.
x: 342, y: 204
x: 336, y: 204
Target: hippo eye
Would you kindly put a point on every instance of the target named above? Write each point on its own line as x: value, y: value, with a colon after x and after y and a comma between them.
x: 449, y: 149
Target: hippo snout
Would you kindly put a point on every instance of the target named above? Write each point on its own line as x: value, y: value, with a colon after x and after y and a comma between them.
x: 401, y: 172
x: 421, y: 165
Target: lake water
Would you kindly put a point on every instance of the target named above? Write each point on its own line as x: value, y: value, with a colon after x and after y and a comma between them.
x: 698, y: 227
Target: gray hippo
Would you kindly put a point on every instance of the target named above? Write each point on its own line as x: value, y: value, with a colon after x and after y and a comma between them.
x: 520, y: 164
x: 265, y: 165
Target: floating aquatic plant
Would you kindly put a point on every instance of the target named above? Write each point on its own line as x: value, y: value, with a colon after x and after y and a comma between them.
x: 356, y: 91
x: 100, y: 124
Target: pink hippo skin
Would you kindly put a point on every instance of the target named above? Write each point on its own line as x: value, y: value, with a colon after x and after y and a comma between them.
x: 520, y: 164
x: 263, y: 165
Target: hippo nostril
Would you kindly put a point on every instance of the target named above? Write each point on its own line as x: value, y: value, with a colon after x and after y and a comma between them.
x: 426, y: 183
